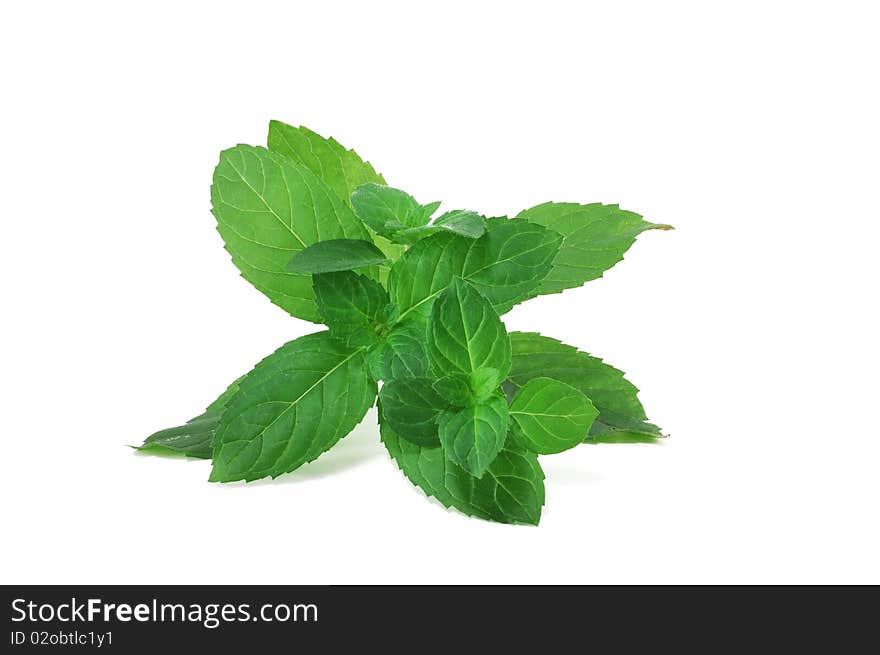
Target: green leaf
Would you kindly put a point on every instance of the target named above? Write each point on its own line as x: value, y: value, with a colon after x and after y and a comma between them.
x: 465, y: 335
x: 411, y: 406
x: 268, y: 209
x: 429, y: 209
x: 621, y: 415
x: 411, y: 235
x: 336, y: 255
x: 511, y: 490
x: 462, y: 390
x: 350, y: 304
x: 339, y: 168
x: 464, y: 223
x: 472, y: 436
x: 402, y: 354
x: 484, y: 382
x: 594, y: 238
x: 292, y: 407
x: 612, y: 435
x: 398, y: 216
x: 456, y: 389
x: 551, y: 416
x: 506, y: 265
x: 385, y: 209
x: 194, y: 438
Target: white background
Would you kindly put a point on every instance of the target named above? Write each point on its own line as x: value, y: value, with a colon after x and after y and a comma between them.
x: 751, y: 329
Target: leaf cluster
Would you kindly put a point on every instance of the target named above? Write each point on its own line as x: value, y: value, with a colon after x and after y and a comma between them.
x: 412, y: 304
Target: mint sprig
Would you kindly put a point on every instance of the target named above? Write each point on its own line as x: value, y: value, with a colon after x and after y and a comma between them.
x: 412, y: 303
